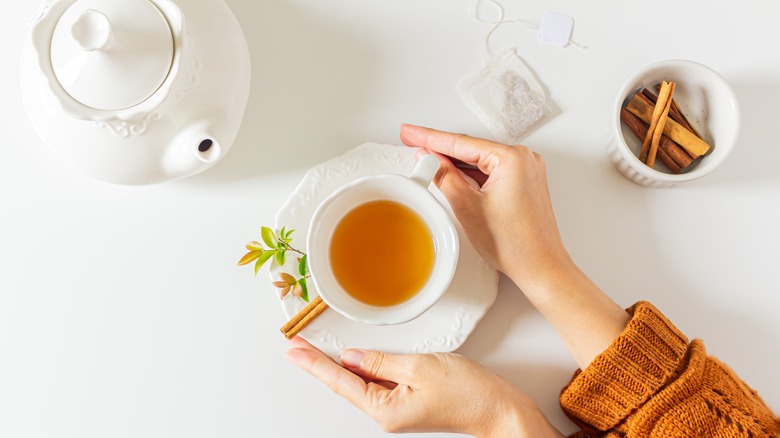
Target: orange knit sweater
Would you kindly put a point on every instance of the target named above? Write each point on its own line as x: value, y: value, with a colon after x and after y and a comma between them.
x: 651, y: 382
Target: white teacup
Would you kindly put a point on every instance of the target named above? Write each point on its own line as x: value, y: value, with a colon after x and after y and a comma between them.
x: 413, y: 193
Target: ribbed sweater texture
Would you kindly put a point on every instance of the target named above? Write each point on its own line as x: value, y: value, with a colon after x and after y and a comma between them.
x: 652, y: 382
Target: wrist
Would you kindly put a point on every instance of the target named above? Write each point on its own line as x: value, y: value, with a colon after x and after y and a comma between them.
x: 586, y: 319
x: 519, y: 417
x: 544, y: 273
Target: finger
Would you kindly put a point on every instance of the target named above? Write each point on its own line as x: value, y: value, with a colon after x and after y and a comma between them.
x: 455, y: 185
x: 472, y: 175
x: 383, y: 383
x: 475, y: 174
x: 475, y: 151
x: 386, y: 384
x: 299, y: 342
x: 375, y: 365
x: 344, y: 383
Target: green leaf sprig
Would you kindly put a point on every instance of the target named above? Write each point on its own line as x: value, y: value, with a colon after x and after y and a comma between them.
x: 275, y: 247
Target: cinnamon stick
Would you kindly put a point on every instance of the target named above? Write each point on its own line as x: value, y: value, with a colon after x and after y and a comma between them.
x: 678, y: 117
x: 664, y: 101
x: 686, y: 139
x: 666, y: 159
x: 684, y: 121
x: 667, y: 149
x: 654, y: 117
x: 678, y: 154
x: 674, y: 113
x: 303, y: 318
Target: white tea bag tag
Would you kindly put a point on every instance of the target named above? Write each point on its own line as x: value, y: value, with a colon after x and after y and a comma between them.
x: 555, y: 29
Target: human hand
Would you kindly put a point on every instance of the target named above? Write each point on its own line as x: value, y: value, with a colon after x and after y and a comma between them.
x: 509, y: 220
x: 425, y: 392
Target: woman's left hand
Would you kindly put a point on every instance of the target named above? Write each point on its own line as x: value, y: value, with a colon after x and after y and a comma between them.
x: 439, y: 392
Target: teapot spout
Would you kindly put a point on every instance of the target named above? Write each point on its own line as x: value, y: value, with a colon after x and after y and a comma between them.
x: 208, y: 149
x: 192, y: 151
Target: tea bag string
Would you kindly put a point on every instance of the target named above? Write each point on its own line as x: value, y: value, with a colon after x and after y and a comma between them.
x: 528, y: 24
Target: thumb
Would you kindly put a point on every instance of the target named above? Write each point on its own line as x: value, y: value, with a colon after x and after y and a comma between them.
x: 379, y: 366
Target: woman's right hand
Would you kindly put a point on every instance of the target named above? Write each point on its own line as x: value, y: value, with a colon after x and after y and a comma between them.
x: 509, y: 220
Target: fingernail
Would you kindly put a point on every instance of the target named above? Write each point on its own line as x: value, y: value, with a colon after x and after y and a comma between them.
x: 352, y: 358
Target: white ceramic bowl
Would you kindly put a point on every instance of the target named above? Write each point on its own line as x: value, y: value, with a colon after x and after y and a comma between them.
x: 707, y: 101
x: 413, y: 193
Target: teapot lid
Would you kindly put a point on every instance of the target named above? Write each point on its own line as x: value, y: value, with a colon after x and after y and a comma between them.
x: 112, y: 55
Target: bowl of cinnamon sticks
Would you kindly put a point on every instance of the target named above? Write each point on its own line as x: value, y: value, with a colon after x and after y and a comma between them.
x: 673, y: 121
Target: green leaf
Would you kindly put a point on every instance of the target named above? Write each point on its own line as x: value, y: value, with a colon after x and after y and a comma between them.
x: 303, y: 269
x: 268, y: 237
x: 286, y: 236
x: 305, y: 295
x: 280, y: 257
x: 262, y: 259
x: 281, y: 233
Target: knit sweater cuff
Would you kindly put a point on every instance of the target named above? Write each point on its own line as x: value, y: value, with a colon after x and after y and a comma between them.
x: 638, y: 364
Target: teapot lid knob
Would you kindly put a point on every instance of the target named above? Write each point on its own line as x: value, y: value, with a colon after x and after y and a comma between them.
x: 92, y: 30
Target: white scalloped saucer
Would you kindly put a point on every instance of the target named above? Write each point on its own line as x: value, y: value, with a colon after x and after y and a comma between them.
x: 445, y: 326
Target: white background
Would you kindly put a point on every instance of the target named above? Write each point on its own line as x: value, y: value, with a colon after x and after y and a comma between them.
x: 122, y: 313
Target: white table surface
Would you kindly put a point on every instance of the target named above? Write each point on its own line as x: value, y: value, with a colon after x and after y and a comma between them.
x: 122, y: 313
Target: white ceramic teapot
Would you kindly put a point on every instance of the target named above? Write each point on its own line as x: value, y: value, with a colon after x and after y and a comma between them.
x: 136, y: 91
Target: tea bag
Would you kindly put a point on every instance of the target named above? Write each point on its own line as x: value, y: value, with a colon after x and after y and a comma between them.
x: 506, y: 97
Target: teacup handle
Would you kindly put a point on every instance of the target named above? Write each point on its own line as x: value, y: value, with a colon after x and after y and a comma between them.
x: 425, y: 170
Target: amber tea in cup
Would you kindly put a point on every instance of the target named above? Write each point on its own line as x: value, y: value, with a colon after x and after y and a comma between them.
x: 382, y: 253
x: 382, y: 249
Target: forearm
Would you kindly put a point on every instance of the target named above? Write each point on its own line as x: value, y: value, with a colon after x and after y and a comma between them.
x: 585, y: 317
